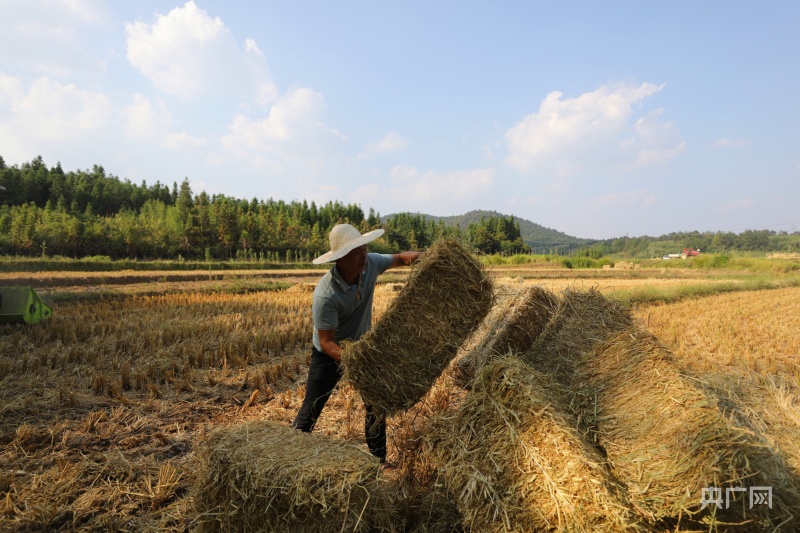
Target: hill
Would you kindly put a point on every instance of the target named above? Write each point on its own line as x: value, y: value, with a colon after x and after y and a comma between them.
x: 538, y: 237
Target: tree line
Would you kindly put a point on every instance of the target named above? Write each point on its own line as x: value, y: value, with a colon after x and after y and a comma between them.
x: 490, y: 235
x: 708, y: 242
x: 50, y: 212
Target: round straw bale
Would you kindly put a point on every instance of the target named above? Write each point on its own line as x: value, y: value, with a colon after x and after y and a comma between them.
x: 664, y: 437
x: 514, y: 328
x: 264, y: 476
x: 581, y: 321
x: 512, y: 459
x: 396, y: 363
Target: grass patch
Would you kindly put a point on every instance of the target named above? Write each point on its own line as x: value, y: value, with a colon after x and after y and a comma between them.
x: 728, y: 261
x: 106, y: 264
x: 545, y: 261
x: 237, y: 287
x: 585, y: 262
x: 661, y: 295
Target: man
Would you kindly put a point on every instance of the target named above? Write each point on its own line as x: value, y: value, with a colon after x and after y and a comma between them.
x: 342, y: 310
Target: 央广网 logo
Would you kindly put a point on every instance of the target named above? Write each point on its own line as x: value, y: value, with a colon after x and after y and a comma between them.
x: 713, y: 495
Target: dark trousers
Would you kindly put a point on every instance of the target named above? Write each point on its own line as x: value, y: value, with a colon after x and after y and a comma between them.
x: 323, y: 375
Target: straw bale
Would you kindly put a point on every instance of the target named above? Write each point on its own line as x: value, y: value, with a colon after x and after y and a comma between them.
x: 514, y: 328
x: 264, y: 476
x: 769, y: 463
x: 512, y: 459
x: 582, y: 320
x: 426, y: 505
x: 397, y: 362
x: 302, y: 287
x: 664, y: 437
x: 433, y: 511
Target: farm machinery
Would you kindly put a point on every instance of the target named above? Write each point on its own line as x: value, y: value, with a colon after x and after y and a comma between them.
x: 20, y: 305
x: 689, y: 252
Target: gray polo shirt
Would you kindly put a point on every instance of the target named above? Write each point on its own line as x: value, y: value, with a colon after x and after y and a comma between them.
x: 336, y: 305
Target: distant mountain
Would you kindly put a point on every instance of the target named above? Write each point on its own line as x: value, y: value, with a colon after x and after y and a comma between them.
x: 535, y: 235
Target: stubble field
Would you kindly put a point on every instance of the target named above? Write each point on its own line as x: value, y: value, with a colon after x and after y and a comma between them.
x: 102, y: 408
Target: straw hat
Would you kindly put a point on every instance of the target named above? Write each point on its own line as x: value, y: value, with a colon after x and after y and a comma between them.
x: 344, y: 238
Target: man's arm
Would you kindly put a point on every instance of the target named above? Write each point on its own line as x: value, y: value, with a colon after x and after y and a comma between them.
x: 405, y: 259
x: 327, y: 341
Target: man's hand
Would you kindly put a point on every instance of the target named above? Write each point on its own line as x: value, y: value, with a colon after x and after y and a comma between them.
x: 327, y: 341
x: 406, y: 258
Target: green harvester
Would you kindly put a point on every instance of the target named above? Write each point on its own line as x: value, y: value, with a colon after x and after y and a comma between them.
x: 22, y: 305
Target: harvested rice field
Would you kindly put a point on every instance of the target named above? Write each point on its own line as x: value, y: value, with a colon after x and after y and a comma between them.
x: 115, y: 414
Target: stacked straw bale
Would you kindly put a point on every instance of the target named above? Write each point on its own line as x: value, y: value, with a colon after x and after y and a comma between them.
x: 664, y: 437
x: 515, y: 327
x: 768, y: 463
x: 582, y: 320
x: 264, y: 476
x: 426, y: 505
x: 512, y: 459
x: 429, y: 509
x: 397, y: 362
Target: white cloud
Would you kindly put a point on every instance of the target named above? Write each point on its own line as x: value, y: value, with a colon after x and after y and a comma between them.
x: 316, y: 192
x: 188, y: 53
x: 293, y: 117
x: 731, y: 143
x: 368, y: 193
x: 290, y: 142
x: 736, y: 205
x: 533, y: 200
x: 413, y: 190
x: 560, y: 184
x: 47, y: 114
x: 48, y: 36
x: 655, y: 142
x: 182, y: 142
x: 251, y: 46
x: 50, y: 110
x: 142, y: 121
x: 59, y: 111
x: 87, y: 11
x: 11, y: 90
x: 594, y: 131
x: 392, y: 142
x: 633, y: 200
x: 265, y: 93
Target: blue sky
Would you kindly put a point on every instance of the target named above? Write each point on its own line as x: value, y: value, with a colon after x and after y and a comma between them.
x: 598, y: 119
